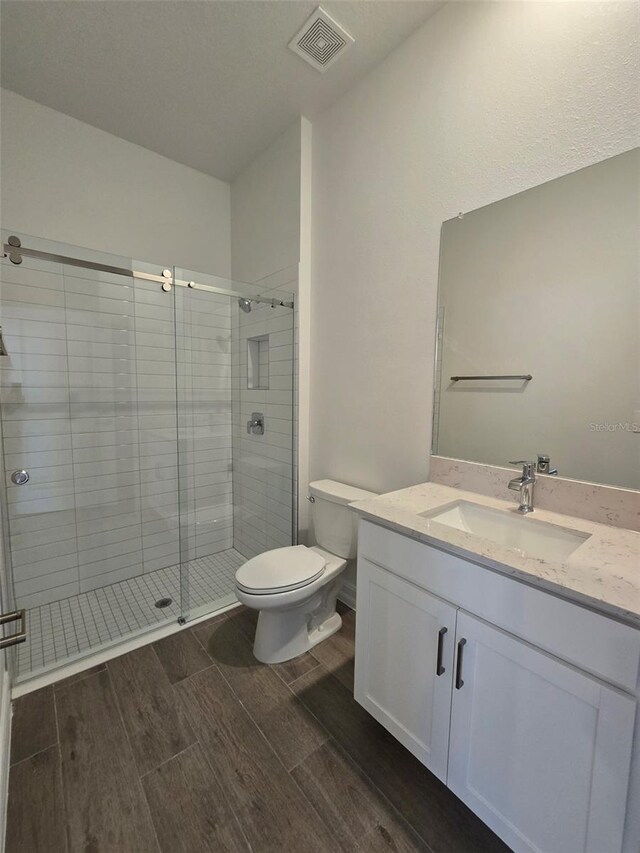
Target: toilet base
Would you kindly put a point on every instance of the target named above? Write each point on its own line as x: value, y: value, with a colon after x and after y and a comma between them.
x: 293, y: 621
x: 285, y: 634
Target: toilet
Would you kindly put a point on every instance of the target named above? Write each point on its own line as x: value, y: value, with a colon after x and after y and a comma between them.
x: 295, y: 588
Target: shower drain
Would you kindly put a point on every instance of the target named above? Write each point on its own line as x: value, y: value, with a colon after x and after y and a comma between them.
x: 164, y: 602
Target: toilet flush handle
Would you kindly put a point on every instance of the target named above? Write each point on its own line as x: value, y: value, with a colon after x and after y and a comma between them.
x: 311, y: 499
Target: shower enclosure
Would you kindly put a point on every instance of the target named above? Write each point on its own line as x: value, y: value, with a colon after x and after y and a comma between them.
x: 147, y: 418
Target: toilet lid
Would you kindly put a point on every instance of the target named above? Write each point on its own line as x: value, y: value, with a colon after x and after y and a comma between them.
x: 280, y: 570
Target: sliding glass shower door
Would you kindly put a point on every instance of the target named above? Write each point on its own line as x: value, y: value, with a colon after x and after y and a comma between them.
x: 234, y: 365
x: 88, y: 417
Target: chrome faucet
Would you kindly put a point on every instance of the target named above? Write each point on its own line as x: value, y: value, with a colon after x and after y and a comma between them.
x: 524, y: 484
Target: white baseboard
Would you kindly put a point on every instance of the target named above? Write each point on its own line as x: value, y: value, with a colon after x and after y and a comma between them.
x: 347, y: 594
x: 5, y: 750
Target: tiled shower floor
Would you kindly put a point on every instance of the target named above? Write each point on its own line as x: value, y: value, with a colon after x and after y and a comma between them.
x: 67, y: 628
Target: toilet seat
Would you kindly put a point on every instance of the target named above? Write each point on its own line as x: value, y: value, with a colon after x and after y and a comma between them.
x: 280, y: 570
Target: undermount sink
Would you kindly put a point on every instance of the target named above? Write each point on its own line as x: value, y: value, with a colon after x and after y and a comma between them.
x: 529, y: 537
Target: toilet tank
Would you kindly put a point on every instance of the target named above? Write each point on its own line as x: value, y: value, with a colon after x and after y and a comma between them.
x: 335, y: 524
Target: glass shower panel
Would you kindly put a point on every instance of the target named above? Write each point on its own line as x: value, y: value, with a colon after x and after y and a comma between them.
x: 263, y: 455
x: 203, y: 363
x: 235, y: 487
x: 88, y: 419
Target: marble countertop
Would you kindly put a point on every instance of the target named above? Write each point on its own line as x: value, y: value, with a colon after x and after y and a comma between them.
x: 603, y: 573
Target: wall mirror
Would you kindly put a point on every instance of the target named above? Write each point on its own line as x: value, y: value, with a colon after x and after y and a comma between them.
x: 538, y: 338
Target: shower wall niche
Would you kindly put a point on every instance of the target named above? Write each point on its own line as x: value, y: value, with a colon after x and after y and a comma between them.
x: 258, y: 363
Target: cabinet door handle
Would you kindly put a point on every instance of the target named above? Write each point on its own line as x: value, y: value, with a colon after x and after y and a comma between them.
x: 459, y: 682
x: 439, y: 667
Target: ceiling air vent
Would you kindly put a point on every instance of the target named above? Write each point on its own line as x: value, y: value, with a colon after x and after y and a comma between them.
x: 321, y: 40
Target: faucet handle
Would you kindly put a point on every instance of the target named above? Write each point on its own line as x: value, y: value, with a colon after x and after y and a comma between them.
x: 544, y: 464
x: 528, y: 467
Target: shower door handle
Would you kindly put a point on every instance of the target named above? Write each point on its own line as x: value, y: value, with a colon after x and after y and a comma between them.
x: 21, y: 635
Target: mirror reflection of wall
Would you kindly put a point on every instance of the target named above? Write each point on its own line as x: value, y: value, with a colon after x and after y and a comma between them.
x: 546, y: 283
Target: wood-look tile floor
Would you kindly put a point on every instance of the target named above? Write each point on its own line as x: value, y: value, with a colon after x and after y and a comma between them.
x: 189, y: 744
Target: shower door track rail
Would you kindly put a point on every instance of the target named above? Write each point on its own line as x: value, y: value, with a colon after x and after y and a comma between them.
x: 11, y: 252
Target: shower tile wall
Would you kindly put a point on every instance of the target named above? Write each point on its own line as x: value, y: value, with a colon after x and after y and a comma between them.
x: 89, y: 393
x: 263, y: 465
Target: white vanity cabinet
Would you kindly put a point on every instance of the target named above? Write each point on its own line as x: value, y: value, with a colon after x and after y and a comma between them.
x: 536, y: 746
x: 538, y: 750
x: 404, y: 670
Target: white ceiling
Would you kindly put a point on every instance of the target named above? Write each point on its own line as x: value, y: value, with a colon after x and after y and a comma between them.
x: 209, y: 83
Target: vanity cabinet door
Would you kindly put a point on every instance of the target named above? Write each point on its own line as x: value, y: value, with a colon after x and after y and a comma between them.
x: 539, y: 750
x: 404, y: 662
